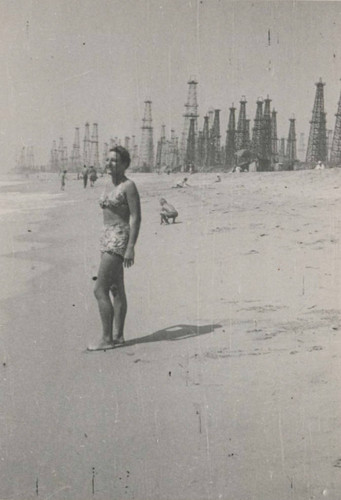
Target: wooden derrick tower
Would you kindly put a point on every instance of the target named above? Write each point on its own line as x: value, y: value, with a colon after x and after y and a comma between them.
x: 54, y: 158
x: 94, y: 148
x: 274, y: 138
x: 75, y: 154
x: 301, y: 147
x: 231, y: 136
x: 266, y: 137
x: 317, y: 143
x: 191, y: 146
x: 160, y: 148
x: 205, y: 143
x: 174, y: 152
x: 329, y: 143
x: 200, y: 149
x: 214, y: 142
x: 281, y: 152
x: 146, y: 162
x: 335, y: 155
x: 257, y: 130
x: 22, y: 159
x: 191, y: 111
x: 30, y: 163
x: 242, y: 135
x: 86, y: 145
x: 291, y: 154
x: 247, y: 134
x: 62, y: 158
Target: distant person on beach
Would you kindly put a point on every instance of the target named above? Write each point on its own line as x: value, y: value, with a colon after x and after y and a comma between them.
x: 85, y: 176
x: 92, y: 176
x: 181, y: 184
x: 218, y: 179
x: 167, y: 212
x: 319, y: 166
x: 122, y: 219
x: 63, y: 179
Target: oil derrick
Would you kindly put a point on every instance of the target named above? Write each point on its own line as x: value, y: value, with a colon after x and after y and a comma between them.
x: 94, y: 149
x: 86, y: 145
x: 281, y: 152
x: 174, y: 152
x: 291, y: 155
x: 22, y: 159
x: 274, y: 139
x: 191, y: 111
x: 200, y: 148
x: 242, y: 141
x: 329, y: 143
x: 257, y: 130
x: 61, y: 155
x: 301, y: 147
x: 51, y: 162
x: 335, y: 154
x: 214, y: 142
x: 247, y: 134
x: 205, y: 143
x: 30, y: 158
x: 75, y: 155
x: 230, y: 147
x: 317, y: 143
x: 64, y: 159
x: 210, y: 118
x: 173, y: 159
x: 265, y: 137
x: 190, y: 151
x: 54, y: 158
x: 161, y: 148
x: 147, y: 145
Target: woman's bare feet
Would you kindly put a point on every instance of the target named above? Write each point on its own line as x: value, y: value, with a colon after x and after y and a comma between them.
x: 118, y: 340
x: 103, y: 345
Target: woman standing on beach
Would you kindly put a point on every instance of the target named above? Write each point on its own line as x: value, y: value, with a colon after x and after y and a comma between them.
x: 122, y: 219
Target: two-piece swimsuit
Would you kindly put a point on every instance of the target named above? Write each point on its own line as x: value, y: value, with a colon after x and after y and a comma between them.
x: 115, y: 236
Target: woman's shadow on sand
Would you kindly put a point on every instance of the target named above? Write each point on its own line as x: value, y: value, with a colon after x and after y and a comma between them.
x: 175, y: 332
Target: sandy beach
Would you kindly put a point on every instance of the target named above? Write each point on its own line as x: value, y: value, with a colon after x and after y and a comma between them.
x: 228, y: 386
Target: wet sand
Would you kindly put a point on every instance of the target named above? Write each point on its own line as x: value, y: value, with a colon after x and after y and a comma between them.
x: 229, y: 384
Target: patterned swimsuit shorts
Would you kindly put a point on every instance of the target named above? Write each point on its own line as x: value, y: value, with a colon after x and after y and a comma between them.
x: 114, y: 239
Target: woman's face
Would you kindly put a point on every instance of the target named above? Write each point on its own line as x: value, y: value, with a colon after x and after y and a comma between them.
x: 115, y: 165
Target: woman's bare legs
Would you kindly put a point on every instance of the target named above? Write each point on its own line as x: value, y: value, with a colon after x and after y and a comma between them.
x: 110, y: 276
x: 120, y: 307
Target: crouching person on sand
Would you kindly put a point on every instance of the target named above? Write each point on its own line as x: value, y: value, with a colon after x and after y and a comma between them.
x: 122, y: 219
x: 167, y: 212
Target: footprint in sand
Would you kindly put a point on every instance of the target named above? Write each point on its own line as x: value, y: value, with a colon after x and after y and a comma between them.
x: 316, y: 348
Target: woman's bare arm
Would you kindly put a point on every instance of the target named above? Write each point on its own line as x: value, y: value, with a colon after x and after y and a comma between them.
x: 133, y: 199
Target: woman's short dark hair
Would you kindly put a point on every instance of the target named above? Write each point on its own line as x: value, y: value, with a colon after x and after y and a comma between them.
x: 124, y: 154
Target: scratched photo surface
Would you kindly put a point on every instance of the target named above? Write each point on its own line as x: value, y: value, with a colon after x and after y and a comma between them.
x: 228, y: 383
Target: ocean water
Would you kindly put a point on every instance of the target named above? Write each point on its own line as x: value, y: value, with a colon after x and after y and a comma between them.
x: 20, y: 195
x: 24, y: 204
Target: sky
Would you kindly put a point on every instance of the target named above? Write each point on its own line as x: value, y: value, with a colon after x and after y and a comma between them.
x: 68, y: 62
